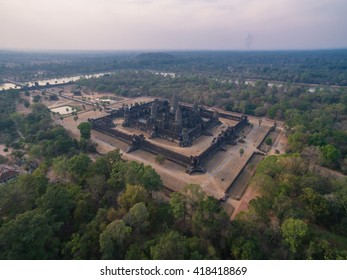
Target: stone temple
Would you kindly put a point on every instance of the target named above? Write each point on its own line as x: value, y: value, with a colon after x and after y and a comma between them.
x: 178, y: 122
x: 171, y: 120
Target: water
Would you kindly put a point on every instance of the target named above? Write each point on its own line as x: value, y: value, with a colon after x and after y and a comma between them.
x: 6, y: 86
x: 64, y: 80
x: 59, y: 81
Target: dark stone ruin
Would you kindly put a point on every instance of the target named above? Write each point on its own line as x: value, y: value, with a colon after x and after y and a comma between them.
x: 181, y: 123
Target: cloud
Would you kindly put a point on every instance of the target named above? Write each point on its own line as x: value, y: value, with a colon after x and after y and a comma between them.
x: 171, y: 24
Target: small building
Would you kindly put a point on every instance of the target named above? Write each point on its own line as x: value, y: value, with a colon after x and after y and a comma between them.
x: 7, y: 173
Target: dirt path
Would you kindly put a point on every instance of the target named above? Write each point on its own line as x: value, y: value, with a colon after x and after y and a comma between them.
x: 251, y: 193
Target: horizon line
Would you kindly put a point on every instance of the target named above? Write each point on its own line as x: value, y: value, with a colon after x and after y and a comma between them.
x: 37, y: 50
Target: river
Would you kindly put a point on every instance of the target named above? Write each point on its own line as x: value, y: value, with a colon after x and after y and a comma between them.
x: 6, y: 86
x: 58, y: 81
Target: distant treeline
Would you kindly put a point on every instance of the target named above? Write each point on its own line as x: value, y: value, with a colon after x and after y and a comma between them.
x: 328, y: 67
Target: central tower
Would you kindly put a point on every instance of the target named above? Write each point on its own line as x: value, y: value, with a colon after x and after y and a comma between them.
x: 174, y: 104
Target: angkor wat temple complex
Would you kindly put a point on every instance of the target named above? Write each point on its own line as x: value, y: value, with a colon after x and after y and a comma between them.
x: 174, y: 121
x: 180, y: 123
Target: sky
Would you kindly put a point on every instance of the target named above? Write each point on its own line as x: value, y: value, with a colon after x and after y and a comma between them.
x: 173, y: 24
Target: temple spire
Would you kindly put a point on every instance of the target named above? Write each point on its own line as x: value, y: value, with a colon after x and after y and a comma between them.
x: 154, y: 109
x: 174, y: 104
x: 216, y: 115
x: 178, y: 116
x: 196, y: 106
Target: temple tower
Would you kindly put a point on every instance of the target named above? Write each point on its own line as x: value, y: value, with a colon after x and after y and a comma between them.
x: 174, y: 104
x: 154, y: 110
x: 178, y: 116
x: 216, y: 115
x: 196, y: 107
x: 178, y: 120
x: 185, y: 141
x: 163, y: 121
x: 126, y: 117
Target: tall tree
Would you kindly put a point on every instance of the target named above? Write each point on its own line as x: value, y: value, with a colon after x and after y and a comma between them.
x: 137, y: 217
x: 132, y: 195
x: 28, y: 236
x: 79, y: 164
x: 113, y: 240
x: 294, y: 231
x: 170, y: 246
x: 84, y: 128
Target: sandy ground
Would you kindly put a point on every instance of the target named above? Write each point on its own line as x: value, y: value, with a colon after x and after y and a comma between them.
x: 252, y: 191
x: 20, y: 108
x: 280, y: 144
x: 239, y: 185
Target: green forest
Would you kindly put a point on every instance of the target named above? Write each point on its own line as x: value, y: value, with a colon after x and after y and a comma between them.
x: 325, y: 67
x: 77, y: 204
